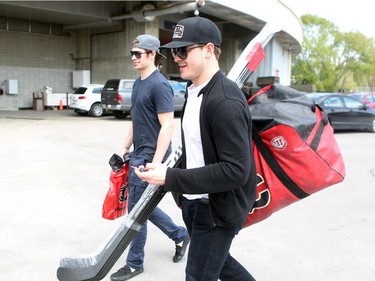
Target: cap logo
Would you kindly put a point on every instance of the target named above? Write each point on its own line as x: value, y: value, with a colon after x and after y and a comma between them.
x: 178, y: 31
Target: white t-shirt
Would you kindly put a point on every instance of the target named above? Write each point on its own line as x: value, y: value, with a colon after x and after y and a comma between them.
x: 192, y: 133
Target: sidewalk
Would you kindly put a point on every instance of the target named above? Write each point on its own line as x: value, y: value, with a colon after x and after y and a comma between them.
x: 33, y: 114
x: 54, y: 176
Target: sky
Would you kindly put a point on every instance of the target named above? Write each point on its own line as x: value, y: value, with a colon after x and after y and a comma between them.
x: 354, y: 15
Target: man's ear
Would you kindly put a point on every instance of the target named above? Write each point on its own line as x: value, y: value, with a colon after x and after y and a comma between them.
x: 210, y: 48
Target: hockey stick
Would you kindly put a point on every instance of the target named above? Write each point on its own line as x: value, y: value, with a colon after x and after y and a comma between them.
x: 252, y: 56
x: 97, y: 267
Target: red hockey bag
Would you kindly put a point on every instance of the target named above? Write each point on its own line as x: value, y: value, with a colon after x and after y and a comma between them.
x: 295, y: 150
x: 115, y: 202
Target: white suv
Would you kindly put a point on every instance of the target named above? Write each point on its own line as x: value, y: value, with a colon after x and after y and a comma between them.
x: 87, y: 100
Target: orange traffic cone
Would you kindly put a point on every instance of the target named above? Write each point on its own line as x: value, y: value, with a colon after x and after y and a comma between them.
x: 61, y: 105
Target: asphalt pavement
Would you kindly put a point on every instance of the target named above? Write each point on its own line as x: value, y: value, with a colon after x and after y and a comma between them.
x: 54, y: 176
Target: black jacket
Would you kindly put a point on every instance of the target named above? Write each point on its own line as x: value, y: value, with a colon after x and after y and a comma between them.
x: 229, y: 175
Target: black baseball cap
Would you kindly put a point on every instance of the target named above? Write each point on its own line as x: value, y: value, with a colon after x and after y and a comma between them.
x: 194, y: 30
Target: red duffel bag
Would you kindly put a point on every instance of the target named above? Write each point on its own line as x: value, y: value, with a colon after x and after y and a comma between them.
x: 115, y: 202
x: 295, y: 150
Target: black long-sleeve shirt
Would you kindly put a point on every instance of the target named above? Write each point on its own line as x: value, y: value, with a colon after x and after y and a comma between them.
x: 229, y: 174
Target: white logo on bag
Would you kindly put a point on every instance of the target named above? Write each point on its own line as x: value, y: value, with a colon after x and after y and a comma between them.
x: 279, y: 142
x: 178, y: 31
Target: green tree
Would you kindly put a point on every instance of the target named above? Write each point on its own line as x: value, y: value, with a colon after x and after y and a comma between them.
x: 332, y: 60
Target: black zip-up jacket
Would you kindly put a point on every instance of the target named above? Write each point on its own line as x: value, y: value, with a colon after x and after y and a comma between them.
x: 229, y: 174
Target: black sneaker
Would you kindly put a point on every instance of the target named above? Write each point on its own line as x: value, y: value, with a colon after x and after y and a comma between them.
x: 125, y: 273
x: 180, y: 250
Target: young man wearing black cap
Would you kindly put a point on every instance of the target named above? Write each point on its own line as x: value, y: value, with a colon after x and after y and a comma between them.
x: 150, y: 135
x: 217, y: 177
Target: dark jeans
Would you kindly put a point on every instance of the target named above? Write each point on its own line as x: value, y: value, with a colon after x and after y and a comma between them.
x: 136, y: 252
x: 209, y: 258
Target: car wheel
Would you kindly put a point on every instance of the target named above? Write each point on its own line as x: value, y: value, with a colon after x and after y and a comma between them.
x: 372, y: 126
x: 120, y: 114
x: 96, y: 110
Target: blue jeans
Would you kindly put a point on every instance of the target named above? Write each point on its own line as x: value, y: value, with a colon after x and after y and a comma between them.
x: 209, y: 258
x: 159, y: 218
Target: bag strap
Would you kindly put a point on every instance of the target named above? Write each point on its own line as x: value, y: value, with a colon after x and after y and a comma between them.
x: 276, y: 168
x: 261, y: 91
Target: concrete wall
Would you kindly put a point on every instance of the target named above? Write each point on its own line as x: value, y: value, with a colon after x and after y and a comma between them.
x: 276, y: 63
x: 106, y: 51
x: 36, y: 61
x: 110, y: 52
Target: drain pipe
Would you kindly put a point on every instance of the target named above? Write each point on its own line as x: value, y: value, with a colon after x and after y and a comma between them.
x: 145, y: 13
x: 148, y: 11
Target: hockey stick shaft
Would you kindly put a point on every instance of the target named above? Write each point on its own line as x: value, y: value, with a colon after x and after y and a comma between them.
x: 252, y: 56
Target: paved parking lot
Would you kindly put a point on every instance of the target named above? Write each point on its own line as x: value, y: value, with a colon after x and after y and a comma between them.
x: 54, y: 176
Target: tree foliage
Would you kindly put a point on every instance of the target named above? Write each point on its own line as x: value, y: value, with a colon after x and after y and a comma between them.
x: 332, y: 60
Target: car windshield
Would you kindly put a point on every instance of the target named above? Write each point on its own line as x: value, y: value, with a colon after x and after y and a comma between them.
x: 315, y: 96
x: 128, y: 85
x: 112, y: 84
x: 80, y: 91
x: 352, y: 103
x: 333, y: 102
x: 97, y: 90
x: 357, y: 96
x: 370, y: 98
x: 177, y: 87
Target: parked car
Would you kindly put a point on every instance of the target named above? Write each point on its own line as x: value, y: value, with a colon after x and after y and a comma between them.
x: 368, y: 99
x: 179, y: 90
x: 116, y: 97
x: 345, y: 112
x: 86, y: 100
